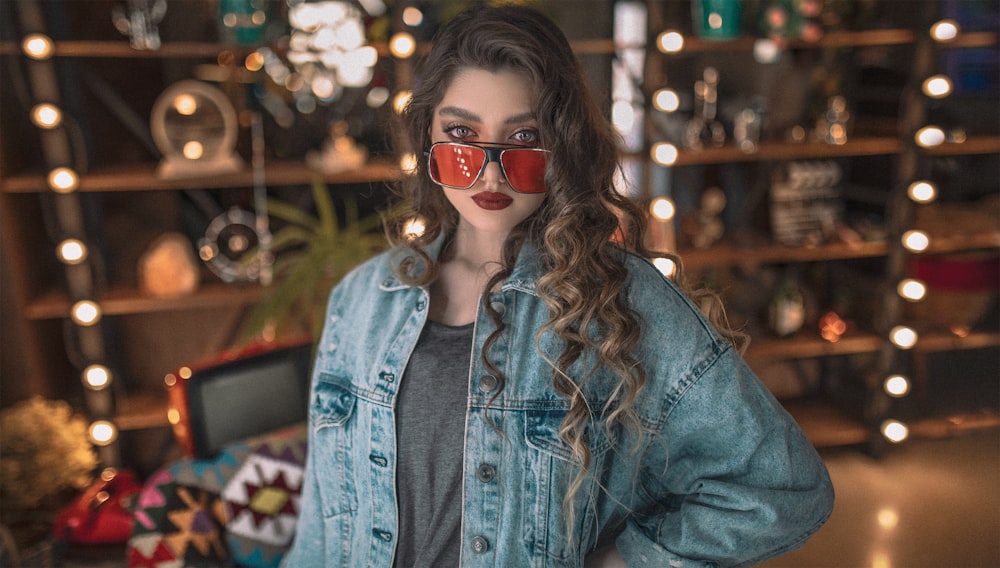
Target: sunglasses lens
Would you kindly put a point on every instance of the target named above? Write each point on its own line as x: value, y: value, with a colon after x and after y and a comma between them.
x: 525, y: 170
x: 455, y: 165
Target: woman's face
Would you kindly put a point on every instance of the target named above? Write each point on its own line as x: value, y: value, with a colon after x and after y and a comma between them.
x: 486, y: 107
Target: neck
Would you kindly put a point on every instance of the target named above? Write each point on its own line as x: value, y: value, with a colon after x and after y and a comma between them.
x: 477, y: 249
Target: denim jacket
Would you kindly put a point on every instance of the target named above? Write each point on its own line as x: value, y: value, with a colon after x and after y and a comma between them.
x: 723, y: 478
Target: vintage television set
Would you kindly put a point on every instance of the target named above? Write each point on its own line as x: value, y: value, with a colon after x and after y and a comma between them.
x: 238, y: 395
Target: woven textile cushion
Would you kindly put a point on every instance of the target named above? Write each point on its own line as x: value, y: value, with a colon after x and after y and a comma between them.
x: 237, y: 509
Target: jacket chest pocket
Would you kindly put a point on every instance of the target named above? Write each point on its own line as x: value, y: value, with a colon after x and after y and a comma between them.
x: 552, y: 527
x: 332, y: 414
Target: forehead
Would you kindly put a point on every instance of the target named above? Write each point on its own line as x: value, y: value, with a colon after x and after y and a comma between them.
x: 489, y: 94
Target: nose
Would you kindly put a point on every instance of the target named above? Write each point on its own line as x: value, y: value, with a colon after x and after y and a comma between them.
x: 493, y: 176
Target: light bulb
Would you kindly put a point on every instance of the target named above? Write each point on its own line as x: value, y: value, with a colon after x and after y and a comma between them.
x: 72, y: 251
x: 929, y: 136
x: 922, y: 191
x: 63, y: 180
x: 896, y: 386
x: 400, y: 101
x: 912, y: 289
x: 86, y: 313
x: 664, y: 153
x: 37, y: 46
x: 916, y: 241
x: 412, y: 16
x: 662, y: 209
x: 46, y: 115
x: 666, y: 100
x: 895, y: 431
x: 96, y: 377
x: 414, y: 228
x: 666, y: 266
x: 402, y: 45
x: 903, y: 337
x: 408, y: 163
x: 102, y: 433
x: 670, y: 42
x: 937, y: 87
x: 945, y: 30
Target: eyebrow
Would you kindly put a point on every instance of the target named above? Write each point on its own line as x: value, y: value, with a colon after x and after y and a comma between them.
x: 463, y: 114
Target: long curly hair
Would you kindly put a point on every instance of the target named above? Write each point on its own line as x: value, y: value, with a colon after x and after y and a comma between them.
x: 580, y: 231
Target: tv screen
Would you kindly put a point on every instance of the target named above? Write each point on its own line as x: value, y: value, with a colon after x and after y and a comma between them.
x: 249, y: 396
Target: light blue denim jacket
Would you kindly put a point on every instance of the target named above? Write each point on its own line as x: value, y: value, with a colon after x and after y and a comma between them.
x: 726, y: 478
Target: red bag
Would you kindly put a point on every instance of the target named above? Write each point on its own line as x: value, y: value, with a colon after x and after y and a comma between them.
x: 102, y: 514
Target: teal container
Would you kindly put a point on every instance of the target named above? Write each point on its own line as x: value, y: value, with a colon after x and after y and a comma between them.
x: 717, y: 19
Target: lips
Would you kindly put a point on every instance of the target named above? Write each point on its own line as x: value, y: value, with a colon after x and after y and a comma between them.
x: 492, y: 201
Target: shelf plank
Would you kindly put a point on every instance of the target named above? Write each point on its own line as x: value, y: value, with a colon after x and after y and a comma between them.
x: 142, y: 177
x: 774, y: 151
x: 731, y: 254
x: 807, y: 345
x: 826, y: 426
x: 142, y: 411
x: 971, y: 146
x: 125, y: 301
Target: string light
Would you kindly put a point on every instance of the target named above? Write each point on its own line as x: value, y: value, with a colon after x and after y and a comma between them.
x: 86, y: 313
x: 903, y: 337
x: 412, y: 16
x: 46, y: 115
x: 414, y: 228
x: 666, y: 100
x: 37, y: 46
x: 945, y: 30
x: 916, y: 241
x: 670, y: 42
x: 895, y: 431
x: 63, y: 180
x: 102, y: 433
x: 664, y: 153
x: 922, y: 191
x: 929, y: 136
x: 662, y: 209
x: 402, y: 45
x: 96, y: 377
x: 937, y: 87
x: 912, y: 289
x: 400, y: 101
x: 666, y: 266
x: 71, y: 251
x: 896, y: 386
x: 408, y: 163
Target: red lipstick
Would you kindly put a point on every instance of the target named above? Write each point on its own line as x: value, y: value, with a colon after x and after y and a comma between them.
x: 492, y: 201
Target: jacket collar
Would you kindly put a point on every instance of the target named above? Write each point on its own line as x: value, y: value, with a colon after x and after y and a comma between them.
x: 523, y: 277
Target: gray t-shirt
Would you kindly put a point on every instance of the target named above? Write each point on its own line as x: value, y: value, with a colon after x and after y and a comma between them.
x: 430, y: 427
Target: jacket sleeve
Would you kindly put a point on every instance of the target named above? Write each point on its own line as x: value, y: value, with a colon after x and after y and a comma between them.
x: 731, y: 479
x: 308, y: 545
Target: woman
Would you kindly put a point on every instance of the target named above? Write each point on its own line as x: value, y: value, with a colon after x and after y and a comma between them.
x: 513, y: 387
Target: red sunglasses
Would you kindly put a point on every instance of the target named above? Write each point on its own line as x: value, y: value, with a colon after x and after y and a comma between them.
x: 459, y: 165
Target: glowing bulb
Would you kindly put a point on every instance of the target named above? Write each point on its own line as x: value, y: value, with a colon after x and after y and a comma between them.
x: 912, y: 289
x: 666, y: 100
x: 670, y: 42
x: 666, y: 266
x: 402, y: 45
x: 930, y: 136
x: 173, y: 416
x: 254, y: 61
x: 662, y: 209
x: 102, y: 433
x: 185, y: 372
x: 922, y: 191
x: 623, y: 115
x: 408, y: 163
x: 916, y: 241
x: 63, y: 180
x: 895, y: 431
x: 37, y: 46
x: 377, y: 96
x: 937, y: 87
x: 170, y: 380
x: 903, y: 337
x: 888, y: 519
x: 185, y: 104
x: 86, y: 312
x: 46, y: 115
x: 664, y: 153
x: 896, y: 386
x: 72, y: 251
x: 96, y: 377
x: 412, y: 16
x: 414, y: 228
x: 400, y: 101
x: 193, y: 150
x: 945, y: 30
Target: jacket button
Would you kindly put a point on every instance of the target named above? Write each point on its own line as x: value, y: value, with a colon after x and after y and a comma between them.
x: 487, y: 383
x: 498, y: 307
x: 378, y: 460
x: 384, y: 535
x: 486, y: 472
x: 480, y: 545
